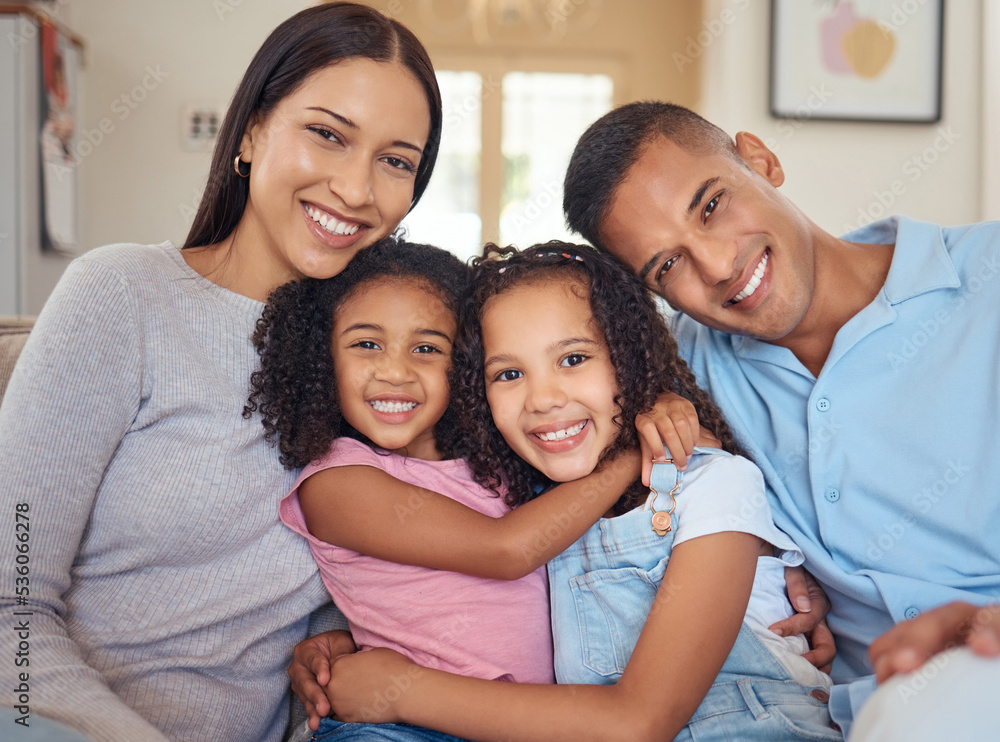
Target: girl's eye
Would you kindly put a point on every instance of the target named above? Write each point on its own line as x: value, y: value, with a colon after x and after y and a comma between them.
x: 327, y: 134
x: 400, y: 164
x: 574, y: 359
x: 509, y: 374
x: 426, y: 349
x: 366, y: 345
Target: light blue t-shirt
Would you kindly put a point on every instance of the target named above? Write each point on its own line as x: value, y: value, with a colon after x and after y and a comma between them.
x: 885, y: 470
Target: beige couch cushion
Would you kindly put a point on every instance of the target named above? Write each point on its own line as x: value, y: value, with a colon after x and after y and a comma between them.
x: 13, y: 332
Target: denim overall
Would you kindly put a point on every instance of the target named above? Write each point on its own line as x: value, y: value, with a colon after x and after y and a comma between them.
x: 602, y: 589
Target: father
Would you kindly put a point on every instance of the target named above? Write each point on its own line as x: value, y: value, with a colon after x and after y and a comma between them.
x: 861, y: 373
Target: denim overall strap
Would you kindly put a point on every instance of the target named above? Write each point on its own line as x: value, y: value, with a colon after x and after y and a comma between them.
x: 602, y: 588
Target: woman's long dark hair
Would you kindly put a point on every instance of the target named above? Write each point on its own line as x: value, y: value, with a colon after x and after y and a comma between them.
x: 310, y: 40
x: 295, y: 388
x: 641, y: 349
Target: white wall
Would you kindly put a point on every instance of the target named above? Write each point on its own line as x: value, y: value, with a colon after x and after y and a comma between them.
x: 144, y: 60
x: 837, y: 171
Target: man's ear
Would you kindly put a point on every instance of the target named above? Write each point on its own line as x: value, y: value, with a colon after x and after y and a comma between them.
x: 760, y: 159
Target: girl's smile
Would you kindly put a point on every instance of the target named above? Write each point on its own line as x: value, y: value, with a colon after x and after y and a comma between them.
x: 560, y: 437
x: 391, y: 353
x: 394, y: 409
x: 549, y: 379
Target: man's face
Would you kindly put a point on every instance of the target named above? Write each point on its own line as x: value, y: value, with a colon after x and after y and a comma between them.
x: 714, y: 238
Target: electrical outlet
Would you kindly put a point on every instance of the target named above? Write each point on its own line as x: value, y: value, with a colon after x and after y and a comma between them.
x: 200, y: 124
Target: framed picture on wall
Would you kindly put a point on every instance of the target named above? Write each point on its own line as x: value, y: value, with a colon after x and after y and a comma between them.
x: 857, y: 60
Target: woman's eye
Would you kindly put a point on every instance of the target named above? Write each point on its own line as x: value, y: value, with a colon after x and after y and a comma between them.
x: 509, y: 374
x: 574, y: 359
x: 400, y: 164
x: 328, y: 135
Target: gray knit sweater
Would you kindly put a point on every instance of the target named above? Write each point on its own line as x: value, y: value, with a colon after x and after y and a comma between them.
x: 165, y: 596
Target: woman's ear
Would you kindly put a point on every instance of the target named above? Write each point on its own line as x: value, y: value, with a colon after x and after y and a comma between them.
x: 760, y: 159
x: 246, y: 143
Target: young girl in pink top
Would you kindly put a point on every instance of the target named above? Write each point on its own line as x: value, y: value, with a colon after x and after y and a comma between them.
x: 354, y: 386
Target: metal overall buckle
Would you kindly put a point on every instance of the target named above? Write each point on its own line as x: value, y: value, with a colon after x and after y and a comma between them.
x: 661, y: 519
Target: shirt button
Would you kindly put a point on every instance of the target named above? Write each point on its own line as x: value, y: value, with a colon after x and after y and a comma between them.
x: 832, y: 494
x: 822, y: 404
x: 911, y: 612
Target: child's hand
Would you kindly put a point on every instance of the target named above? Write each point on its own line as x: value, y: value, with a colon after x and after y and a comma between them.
x: 364, y: 687
x: 310, y: 670
x: 909, y: 644
x: 672, y: 425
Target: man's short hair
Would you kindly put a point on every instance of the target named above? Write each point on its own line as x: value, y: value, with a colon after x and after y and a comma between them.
x: 613, y: 144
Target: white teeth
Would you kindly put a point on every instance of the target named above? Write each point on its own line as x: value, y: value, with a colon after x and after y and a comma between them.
x: 753, y: 283
x: 559, y: 435
x: 382, y: 406
x: 331, y: 224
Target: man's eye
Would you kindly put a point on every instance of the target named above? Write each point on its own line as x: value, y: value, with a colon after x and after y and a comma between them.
x: 711, y: 205
x: 665, y: 268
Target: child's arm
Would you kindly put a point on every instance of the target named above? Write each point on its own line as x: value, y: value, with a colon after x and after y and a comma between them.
x: 369, y: 511
x: 688, y: 634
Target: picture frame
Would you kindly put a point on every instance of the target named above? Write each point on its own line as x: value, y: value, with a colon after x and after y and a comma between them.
x: 857, y: 60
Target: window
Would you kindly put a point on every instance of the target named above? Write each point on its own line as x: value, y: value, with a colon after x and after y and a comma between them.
x: 507, y: 138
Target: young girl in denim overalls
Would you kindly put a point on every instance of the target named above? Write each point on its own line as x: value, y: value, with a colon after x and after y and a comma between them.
x: 660, y: 611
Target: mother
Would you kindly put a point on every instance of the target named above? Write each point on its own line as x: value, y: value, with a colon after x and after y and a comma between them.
x: 165, y: 596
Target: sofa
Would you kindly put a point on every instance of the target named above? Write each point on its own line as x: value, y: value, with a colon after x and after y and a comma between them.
x: 13, y: 332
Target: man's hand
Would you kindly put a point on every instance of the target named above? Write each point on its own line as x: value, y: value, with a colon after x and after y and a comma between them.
x: 672, y: 425
x: 811, y: 605
x: 909, y: 644
x: 310, y: 670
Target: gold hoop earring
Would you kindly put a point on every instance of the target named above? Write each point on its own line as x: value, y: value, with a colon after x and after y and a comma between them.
x: 236, y: 166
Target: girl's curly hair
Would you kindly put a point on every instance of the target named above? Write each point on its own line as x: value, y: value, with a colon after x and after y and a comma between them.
x: 642, y: 351
x: 295, y: 388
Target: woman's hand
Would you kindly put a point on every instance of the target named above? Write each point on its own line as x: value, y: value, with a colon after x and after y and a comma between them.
x: 671, y: 426
x: 364, y: 687
x: 909, y: 644
x: 811, y: 606
x: 310, y: 670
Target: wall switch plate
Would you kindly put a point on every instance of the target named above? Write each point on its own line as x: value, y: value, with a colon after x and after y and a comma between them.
x: 200, y: 122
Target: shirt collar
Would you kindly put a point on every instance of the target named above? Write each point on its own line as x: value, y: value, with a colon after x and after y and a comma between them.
x: 920, y: 260
x: 920, y: 263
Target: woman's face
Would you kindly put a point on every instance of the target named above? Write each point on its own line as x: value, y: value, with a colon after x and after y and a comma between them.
x: 550, y: 383
x: 332, y: 168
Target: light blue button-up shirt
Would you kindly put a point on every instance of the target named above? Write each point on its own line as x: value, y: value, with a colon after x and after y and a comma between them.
x: 884, y: 469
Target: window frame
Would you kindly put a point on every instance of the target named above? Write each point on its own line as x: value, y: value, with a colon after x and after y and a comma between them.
x: 491, y: 69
